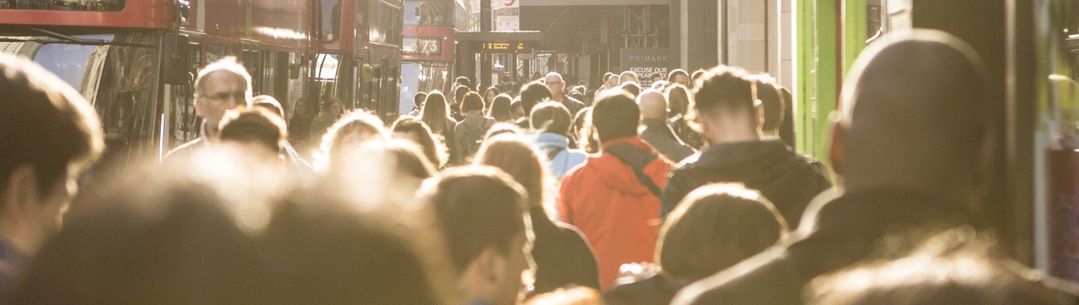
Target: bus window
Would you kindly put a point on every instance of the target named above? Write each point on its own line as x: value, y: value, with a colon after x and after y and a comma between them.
x: 65, y: 5
x: 329, y: 19
x: 68, y: 61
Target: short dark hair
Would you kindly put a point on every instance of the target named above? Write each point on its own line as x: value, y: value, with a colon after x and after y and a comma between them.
x: 419, y: 98
x: 254, y: 125
x: 773, y: 104
x: 715, y: 227
x: 463, y: 81
x: 723, y: 89
x: 551, y: 117
x: 632, y: 88
x: 533, y: 93
x: 477, y: 207
x: 44, y: 124
x: 472, y: 101
x: 695, y: 76
x: 678, y: 99
x: 674, y: 73
x: 459, y: 94
x: 616, y: 116
x: 501, y: 108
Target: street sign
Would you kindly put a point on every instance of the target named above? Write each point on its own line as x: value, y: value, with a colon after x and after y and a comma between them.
x: 506, y: 47
x: 645, y: 62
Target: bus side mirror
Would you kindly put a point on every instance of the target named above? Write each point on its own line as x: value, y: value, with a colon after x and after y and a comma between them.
x: 178, y: 52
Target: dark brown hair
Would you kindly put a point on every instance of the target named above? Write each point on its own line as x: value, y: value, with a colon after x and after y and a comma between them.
x: 500, y: 108
x: 533, y: 93
x: 773, y: 103
x: 516, y: 156
x: 472, y: 102
x: 477, y: 207
x: 254, y: 125
x: 715, y: 227
x: 551, y: 117
x: 44, y: 124
x: 724, y: 89
x: 426, y: 138
x: 615, y: 116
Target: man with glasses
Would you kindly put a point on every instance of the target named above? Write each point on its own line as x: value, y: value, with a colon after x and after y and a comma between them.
x: 220, y: 86
x: 557, y: 86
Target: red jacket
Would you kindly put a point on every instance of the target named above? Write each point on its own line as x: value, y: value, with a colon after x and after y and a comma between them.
x: 616, y: 212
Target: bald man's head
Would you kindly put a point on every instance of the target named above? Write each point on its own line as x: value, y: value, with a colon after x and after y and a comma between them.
x: 653, y: 104
x: 914, y: 114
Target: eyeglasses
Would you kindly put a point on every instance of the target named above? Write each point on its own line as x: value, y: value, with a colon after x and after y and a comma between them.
x: 239, y: 96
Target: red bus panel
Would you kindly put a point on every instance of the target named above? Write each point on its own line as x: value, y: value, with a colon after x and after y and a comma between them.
x: 144, y: 14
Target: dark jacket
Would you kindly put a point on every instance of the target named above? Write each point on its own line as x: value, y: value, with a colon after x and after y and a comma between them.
x: 563, y: 257
x: 681, y: 128
x: 841, y: 230
x: 788, y: 179
x: 656, y: 290
x: 659, y: 135
x: 573, y: 105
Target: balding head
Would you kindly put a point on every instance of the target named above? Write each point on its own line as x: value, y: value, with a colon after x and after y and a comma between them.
x: 653, y: 104
x: 915, y: 116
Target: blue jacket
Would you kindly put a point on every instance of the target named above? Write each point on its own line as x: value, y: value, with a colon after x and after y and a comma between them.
x: 566, y: 159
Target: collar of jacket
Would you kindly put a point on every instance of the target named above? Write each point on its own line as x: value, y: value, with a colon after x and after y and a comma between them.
x: 633, y: 140
x: 738, y: 152
x: 552, y: 139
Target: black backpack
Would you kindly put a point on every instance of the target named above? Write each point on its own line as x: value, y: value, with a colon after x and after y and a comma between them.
x: 636, y: 159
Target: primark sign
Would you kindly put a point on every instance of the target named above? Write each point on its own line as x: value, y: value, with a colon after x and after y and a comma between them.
x: 645, y: 62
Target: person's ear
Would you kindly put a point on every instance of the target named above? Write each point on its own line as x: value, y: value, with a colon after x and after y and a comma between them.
x: 836, y: 152
x: 21, y: 192
x: 492, y: 265
x: 198, y: 106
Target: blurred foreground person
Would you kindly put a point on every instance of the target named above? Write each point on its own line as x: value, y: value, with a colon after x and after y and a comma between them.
x: 656, y: 131
x: 614, y: 197
x: 628, y: 77
x: 568, y: 296
x: 551, y: 121
x: 48, y: 135
x: 220, y: 86
x: 483, y: 215
x: 563, y: 257
x: 729, y: 115
x: 412, y: 129
x: 715, y: 227
x: 182, y: 232
x: 354, y: 128
x: 928, y: 182
x: 335, y: 246
x: 255, y: 126
x: 271, y: 103
x: 955, y: 267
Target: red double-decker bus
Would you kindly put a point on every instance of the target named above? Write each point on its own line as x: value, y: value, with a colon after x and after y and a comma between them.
x: 135, y: 60
x: 428, y: 47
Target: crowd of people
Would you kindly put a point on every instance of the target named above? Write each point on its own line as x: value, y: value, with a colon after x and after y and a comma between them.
x: 686, y: 191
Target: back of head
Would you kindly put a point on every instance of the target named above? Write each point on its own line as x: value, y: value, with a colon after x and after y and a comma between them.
x: 45, y: 124
x: 696, y: 76
x: 950, y: 268
x: 410, y: 159
x: 533, y: 93
x: 419, y: 98
x: 514, y: 155
x: 552, y: 117
x: 417, y: 131
x: 270, y: 103
x: 615, y: 116
x: 715, y: 227
x: 632, y: 88
x: 184, y: 235
x: 723, y: 89
x: 678, y: 99
x: 653, y: 104
x: 254, y: 126
x: 676, y: 73
x: 463, y: 81
x: 772, y: 102
x: 476, y: 207
x: 500, y: 108
x: 328, y: 252
x: 472, y: 102
x: 915, y: 107
x: 628, y: 77
x: 459, y: 94
x: 353, y: 128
